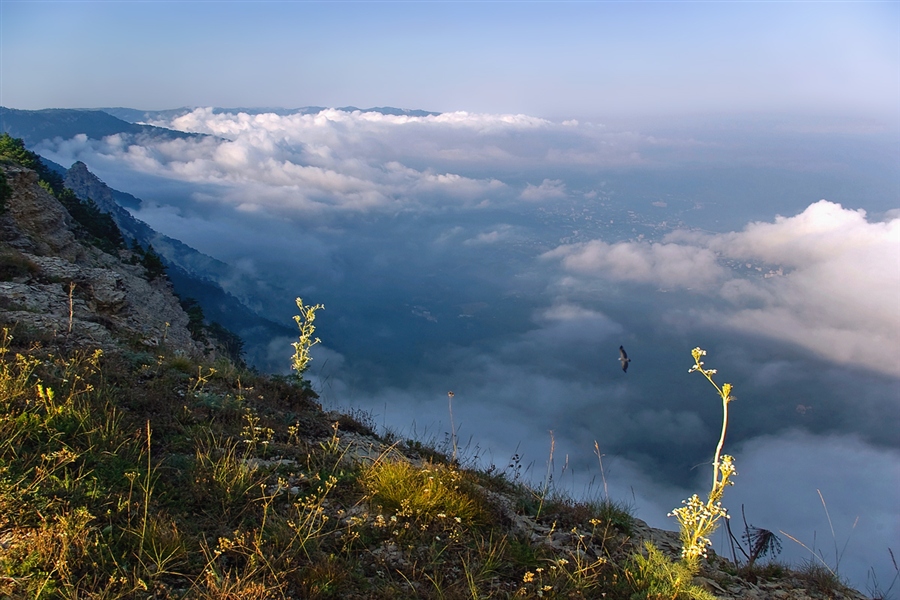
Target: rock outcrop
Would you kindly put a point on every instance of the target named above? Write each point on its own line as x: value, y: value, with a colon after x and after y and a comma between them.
x: 221, y: 290
x: 54, y: 283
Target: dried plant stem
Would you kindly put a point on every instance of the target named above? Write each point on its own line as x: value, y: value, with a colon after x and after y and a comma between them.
x: 602, y: 474
x: 549, y: 477
x: 452, y: 426
x: 71, y: 304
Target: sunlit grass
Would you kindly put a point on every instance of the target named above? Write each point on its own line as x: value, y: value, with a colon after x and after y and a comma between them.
x: 423, y: 493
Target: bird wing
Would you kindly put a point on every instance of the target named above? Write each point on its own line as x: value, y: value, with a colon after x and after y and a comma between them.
x: 623, y: 358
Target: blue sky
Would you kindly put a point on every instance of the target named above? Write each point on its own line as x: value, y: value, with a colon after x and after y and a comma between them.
x: 549, y: 59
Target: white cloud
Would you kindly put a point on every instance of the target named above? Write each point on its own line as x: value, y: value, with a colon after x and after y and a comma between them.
x: 659, y: 264
x: 332, y: 160
x: 833, y: 287
x: 549, y: 189
x: 839, y: 292
x: 339, y: 161
x: 499, y: 234
x: 858, y: 483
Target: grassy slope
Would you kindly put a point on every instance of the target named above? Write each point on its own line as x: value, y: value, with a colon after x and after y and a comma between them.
x: 139, y: 475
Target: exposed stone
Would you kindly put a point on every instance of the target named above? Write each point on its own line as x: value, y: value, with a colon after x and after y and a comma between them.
x: 76, y: 293
x: 40, y: 224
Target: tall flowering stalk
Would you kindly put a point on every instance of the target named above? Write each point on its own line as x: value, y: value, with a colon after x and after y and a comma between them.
x: 698, y: 520
x: 306, y: 341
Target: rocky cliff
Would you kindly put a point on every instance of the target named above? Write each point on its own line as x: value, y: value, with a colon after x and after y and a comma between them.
x: 215, y: 285
x: 58, y: 286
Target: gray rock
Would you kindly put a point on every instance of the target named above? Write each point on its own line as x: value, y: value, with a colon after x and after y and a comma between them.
x: 77, y: 292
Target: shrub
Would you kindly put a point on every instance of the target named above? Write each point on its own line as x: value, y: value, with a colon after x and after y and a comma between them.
x: 655, y: 577
x: 14, y: 264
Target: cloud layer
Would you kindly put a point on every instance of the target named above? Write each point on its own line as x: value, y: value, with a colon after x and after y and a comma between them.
x: 357, y: 161
x: 506, y: 258
x: 826, y: 279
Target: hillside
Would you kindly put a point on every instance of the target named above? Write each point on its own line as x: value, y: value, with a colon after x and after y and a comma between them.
x: 194, y: 275
x: 134, y: 463
x: 34, y: 126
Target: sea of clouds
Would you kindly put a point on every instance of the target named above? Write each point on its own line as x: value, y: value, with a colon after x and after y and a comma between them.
x: 455, y: 251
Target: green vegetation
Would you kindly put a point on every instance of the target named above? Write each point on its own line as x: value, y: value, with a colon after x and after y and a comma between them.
x: 132, y: 475
x: 306, y: 341
x: 149, y: 259
x: 226, y: 341
x: 657, y: 577
x: 12, y: 150
x: 98, y: 227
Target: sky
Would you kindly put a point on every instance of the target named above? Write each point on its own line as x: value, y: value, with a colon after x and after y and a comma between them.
x: 655, y: 175
x: 549, y: 59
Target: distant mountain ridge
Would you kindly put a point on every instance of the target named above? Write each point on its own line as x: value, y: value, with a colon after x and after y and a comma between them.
x: 133, y: 116
x: 34, y: 126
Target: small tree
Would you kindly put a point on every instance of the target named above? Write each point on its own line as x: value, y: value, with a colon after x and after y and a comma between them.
x: 152, y: 262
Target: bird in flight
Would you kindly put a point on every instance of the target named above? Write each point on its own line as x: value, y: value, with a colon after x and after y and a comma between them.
x: 623, y: 358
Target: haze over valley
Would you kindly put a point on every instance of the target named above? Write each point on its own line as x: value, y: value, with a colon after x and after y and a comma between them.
x: 506, y: 258
x: 505, y: 244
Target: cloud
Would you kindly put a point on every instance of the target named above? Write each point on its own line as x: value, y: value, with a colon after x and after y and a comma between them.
x: 330, y: 161
x: 335, y: 161
x: 548, y: 190
x: 826, y: 279
x: 498, y: 234
x: 858, y: 483
x: 838, y: 288
x: 661, y: 264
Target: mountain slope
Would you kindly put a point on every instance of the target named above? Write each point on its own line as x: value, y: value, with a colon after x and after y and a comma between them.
x: 34, y: 126
x: 194, y: 274
x: 62, y: 288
